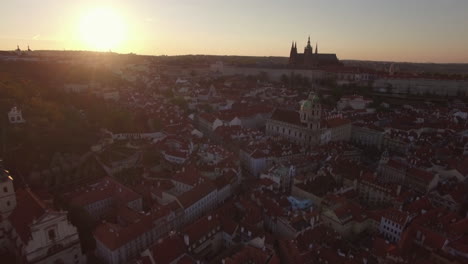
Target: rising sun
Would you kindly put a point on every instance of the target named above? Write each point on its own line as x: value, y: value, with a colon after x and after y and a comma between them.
x: 102, y: 29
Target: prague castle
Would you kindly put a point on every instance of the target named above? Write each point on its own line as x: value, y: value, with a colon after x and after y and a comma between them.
x: 311, y: 59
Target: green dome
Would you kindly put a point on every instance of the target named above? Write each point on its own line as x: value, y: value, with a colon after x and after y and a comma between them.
x: 315, y: 99
x: 308, y: 104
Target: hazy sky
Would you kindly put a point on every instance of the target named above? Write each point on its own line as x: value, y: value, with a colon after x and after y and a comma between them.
x: 399, y: 30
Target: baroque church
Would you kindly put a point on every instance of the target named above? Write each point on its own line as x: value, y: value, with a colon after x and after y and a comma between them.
x: 308, y: 127
x: 302, y: 127
x: 32, y: 230
x: 310, y: 58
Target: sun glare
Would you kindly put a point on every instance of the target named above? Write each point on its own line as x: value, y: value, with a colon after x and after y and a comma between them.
x: 102, y: 29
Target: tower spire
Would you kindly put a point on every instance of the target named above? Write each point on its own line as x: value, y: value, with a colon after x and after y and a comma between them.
x: 309, y: 47
x: 316, y: 47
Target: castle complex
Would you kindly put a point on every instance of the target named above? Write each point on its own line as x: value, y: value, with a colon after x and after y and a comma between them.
x: 310, y: 59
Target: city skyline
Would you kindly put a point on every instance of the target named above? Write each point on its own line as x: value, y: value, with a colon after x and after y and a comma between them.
x: 414, y: 31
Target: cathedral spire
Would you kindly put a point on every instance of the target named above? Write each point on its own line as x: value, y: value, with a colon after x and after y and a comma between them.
x: 309, y: 47
x: 316, y: 48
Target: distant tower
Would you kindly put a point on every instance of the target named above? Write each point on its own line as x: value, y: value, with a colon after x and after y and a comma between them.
x: 7, y: 193
x: 18, y: 50
x: 293, y: 54
x: 308, y: 49
x: 311, y: 112
x: 29, y: 48
x: 316, y: 48
x: 308, y: 54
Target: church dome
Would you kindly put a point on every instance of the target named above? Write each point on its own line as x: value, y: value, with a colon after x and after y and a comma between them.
x: 314, y: 98
x: 308, y: 104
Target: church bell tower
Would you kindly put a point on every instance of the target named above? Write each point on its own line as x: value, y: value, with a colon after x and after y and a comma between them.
x: 311, y: 112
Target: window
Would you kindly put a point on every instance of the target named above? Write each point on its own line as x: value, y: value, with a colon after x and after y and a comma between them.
x: 51, y: 234
x: 8, y: 203
x: 5, y: 189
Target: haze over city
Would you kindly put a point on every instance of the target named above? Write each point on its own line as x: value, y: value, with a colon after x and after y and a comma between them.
x: 415, y: 31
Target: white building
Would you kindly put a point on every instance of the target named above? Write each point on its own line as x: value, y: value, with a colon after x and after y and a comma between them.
x: 407, y: 85
x: 7, y: 204
x: 282, y: 175
x: 392, y: 224
x: 75, y: 88
x: 355, y: 102
x: 39, y: 234
x: 15, y: 116
x: 199, y: 200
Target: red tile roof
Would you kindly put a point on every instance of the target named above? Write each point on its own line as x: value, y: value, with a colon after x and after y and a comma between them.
x: 337, y: 122
x: 396, y: 216
x: 201, y: 228
x: 28, y: 209
x: 189, y: 175
x: 420, y: 174
x: 103, y: 189
x: 192, y: 196
x: 287, y: 116
x: 250, y: 255
x: 114, y: 237
x: 168, y: 250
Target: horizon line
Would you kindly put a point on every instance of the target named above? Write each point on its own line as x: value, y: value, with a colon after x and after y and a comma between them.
x: 231, y: 55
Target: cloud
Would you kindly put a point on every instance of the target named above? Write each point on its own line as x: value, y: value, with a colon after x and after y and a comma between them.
x: 36, y: 37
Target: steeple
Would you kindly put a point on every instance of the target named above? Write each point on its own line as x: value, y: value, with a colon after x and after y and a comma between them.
x: 292, y: 50
x: 316, y: 48
x: 293, y: 54
x: 308, y: 50
x: 311, y: 111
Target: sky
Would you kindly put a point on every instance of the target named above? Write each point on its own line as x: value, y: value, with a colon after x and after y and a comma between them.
x: 384, y: 30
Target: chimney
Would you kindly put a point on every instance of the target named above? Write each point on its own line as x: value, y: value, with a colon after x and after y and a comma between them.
x: 209, y: 218
x: 186, y: 240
